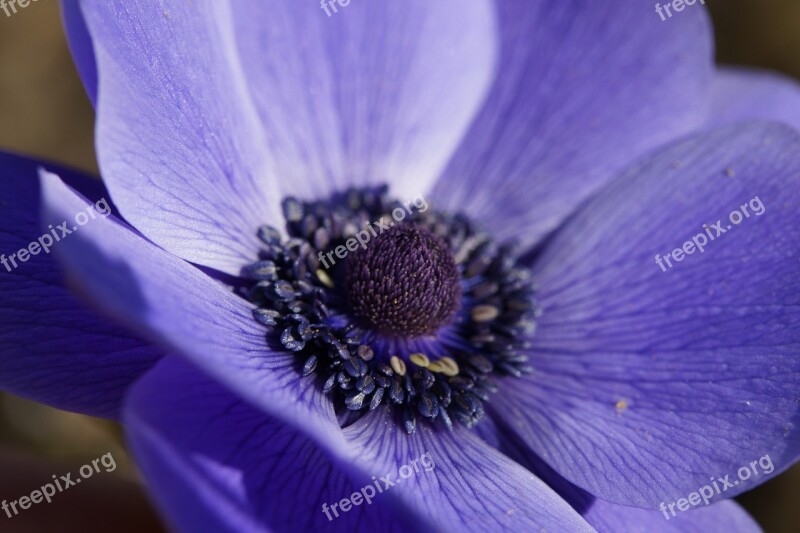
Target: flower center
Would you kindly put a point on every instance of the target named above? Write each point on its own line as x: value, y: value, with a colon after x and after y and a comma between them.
x: 429, y: 316
x: 404, y: 283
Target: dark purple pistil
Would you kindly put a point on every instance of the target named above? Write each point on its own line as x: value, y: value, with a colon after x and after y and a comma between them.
x: 404, y: 283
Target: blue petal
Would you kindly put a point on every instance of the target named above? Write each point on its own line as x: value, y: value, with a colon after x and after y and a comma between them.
x: 378, y: 91
x: 178, y: 141
x: 215, y: 463
x: 725, y: 516
x: 80, y: 45
x: 463, y: 484
x: 52, y: 348
x: 716, y: 515
x: 583, y: 89
x: 210, y: 111
x: 746, y: 94
x: 649, y: 382
x: 175, y: 304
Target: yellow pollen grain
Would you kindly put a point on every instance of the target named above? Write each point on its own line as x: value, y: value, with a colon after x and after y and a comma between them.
x: 436, y: 366
x: 398, y: 365
x: 622, y: 405
x: 484, y: 313
x: 420, y: 359
x: 324, y: 278
x: 449, y: 366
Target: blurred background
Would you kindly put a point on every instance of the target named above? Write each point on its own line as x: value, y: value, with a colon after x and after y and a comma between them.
x: 44, y: 112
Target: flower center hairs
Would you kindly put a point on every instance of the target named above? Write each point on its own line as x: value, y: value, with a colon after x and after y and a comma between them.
x: 387, y: 304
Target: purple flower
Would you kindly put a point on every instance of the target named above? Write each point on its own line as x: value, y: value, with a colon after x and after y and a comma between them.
x: 568, y: 382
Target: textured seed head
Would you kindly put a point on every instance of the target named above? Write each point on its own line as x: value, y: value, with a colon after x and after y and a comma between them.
x: 405, y: 282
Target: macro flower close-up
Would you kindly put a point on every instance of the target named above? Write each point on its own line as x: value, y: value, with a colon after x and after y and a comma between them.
x: 350, y: 265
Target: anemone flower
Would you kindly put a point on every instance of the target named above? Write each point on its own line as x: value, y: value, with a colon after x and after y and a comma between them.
x: 454, y: 266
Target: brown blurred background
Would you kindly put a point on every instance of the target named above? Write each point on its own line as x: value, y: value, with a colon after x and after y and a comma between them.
x: 44, y: 112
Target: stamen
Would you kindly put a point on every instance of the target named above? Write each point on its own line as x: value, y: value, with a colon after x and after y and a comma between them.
x: 449, y: 366
x: 420, y: 359
x: 398, y: 365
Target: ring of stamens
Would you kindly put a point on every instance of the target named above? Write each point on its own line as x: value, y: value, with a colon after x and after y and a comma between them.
x: 441, y: 373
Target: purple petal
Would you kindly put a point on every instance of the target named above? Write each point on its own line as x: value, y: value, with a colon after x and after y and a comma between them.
x: 179, y: 144
x: 208, y: 116
x: 53, y: 349
x: 80, y: 45
x: 215, y: 463
x: 583, y: 89
x: 377, y: 91
x: 605, y: 516
x: 743, y: 94
x: 725, y: 516
x: 465, y: 485
x: 648, y: 383
x: 197, y: 317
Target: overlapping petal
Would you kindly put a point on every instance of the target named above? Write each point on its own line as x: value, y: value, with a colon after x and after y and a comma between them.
x: 218, y: 464
x: 80, y: 46
x: 373, y: 92
x: 723, y: 516
x: 604, y: 516
x: 54, y: 349
x: 178, y: 141
x: 583, y: 88
x: 472, y: 487
x: 648, y: 382
x: 209, y: 112
x: 174, y: 303
x: 748, y: 94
